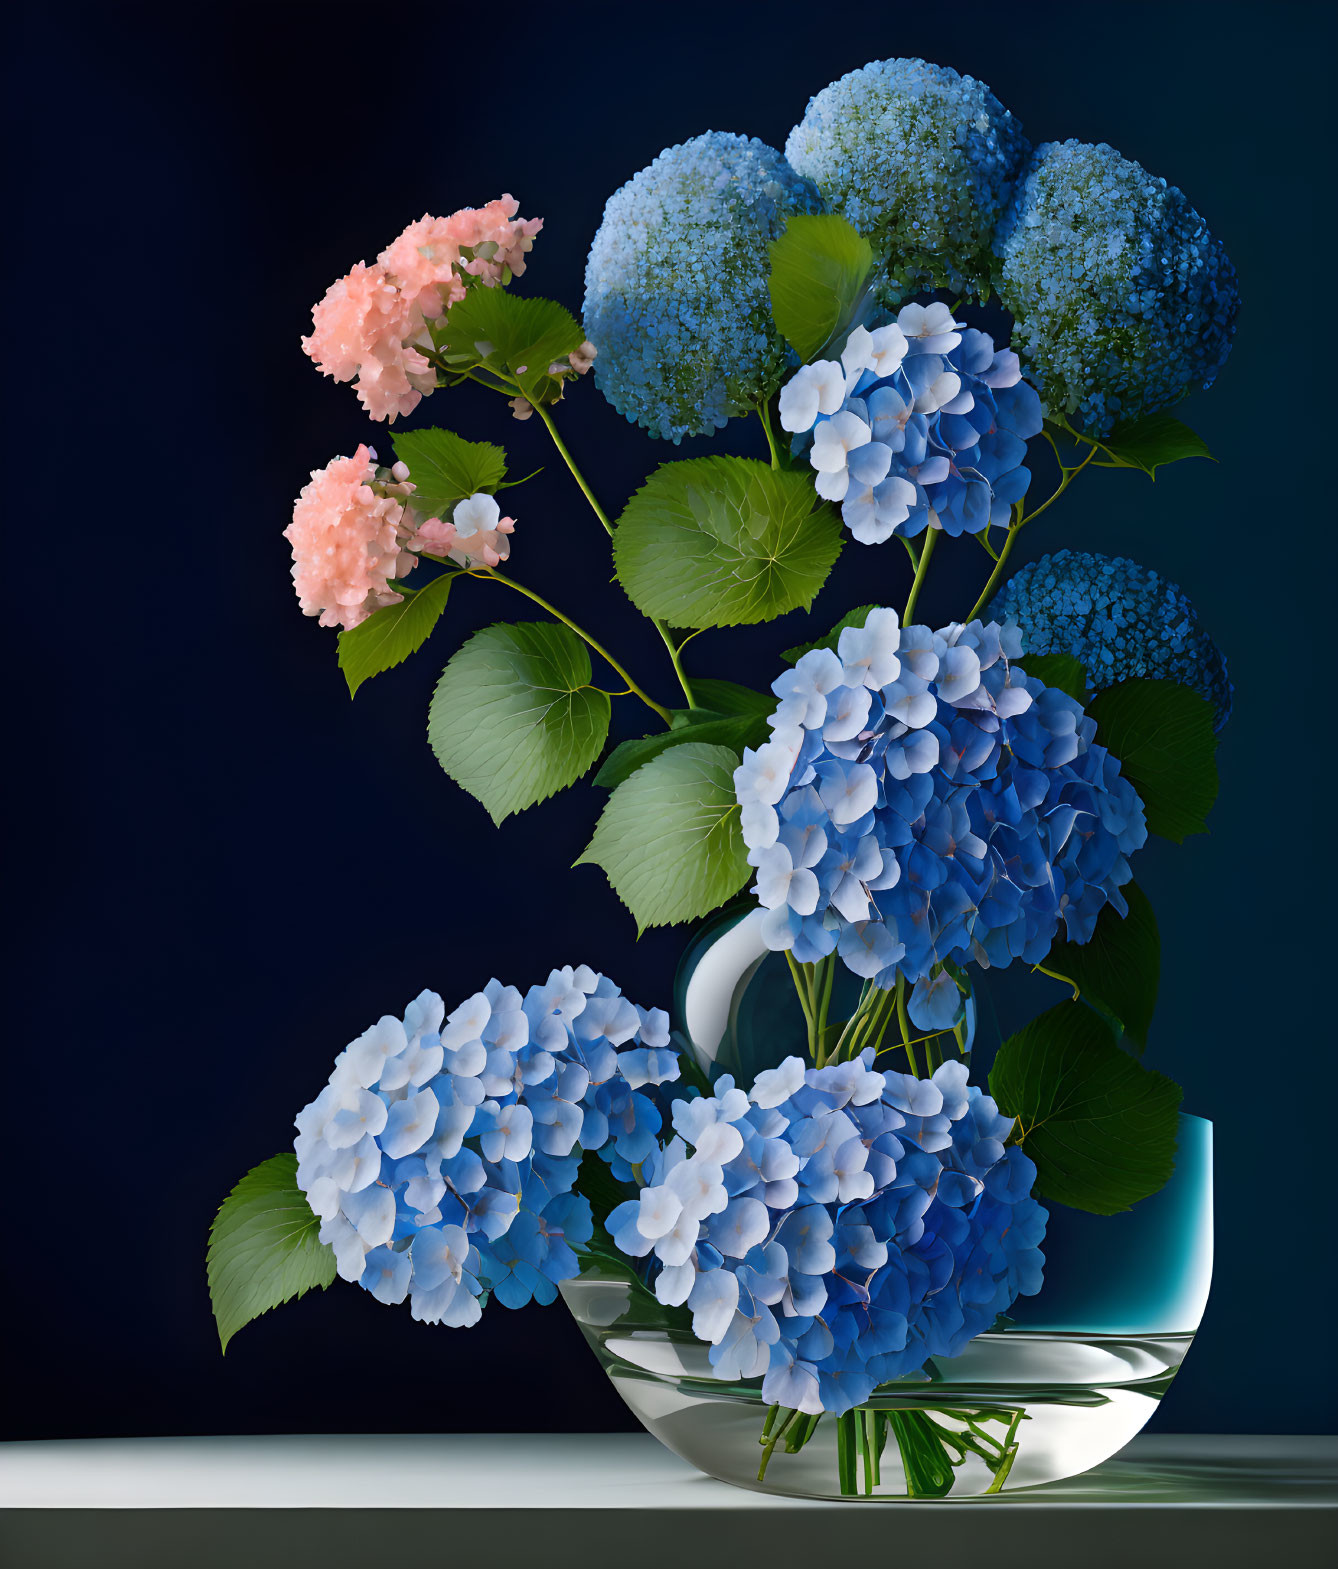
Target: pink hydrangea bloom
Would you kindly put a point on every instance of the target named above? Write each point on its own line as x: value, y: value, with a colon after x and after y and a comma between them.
x: 371, y: 325
x: 476, y: 536
x: 364, y: 327
x: 348, y: 540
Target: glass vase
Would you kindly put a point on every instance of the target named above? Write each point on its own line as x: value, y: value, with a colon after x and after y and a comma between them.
x: 1061, y: 1384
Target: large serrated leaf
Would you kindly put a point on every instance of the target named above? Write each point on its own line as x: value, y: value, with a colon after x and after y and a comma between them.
x: 820, y: 266
x: 669, y: 837
x: 1100, y: 1126
x: 515, y: 718
x: 1162, y: 733
x: 389, y: 636
x: 264, y: 1247
x: 724, y: 541
x: 445, y: 468
x: 1157, y: 439
x: 1118, y: 970
x: 518, y: 334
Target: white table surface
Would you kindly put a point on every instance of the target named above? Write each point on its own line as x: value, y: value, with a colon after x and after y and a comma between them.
x: 1215, y: 1500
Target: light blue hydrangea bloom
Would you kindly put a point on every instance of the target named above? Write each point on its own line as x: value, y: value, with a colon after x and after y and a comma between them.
x: 923, y: 800
x: 1121, y: 297
x: 836, y: 1227
x: 918, y: 159
x: 676, y: 285
x: 442, y: 1154
x: 1119, y: 619
x: 921, y: 424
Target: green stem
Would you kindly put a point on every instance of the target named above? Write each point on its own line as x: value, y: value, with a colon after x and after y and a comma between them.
x: 772, y: 1435
x: 1056, y: 976
x: 579, y: 631
x: 764, y: 414
x: 826, y: 978
x: 846, y: 1445
x: 922, y: 567
x: 904, y: 1022
x: 1067, y: 476
x: 603, y: 517
x: 576, y: 474
x: 802, y: 991
x: 987, y: 593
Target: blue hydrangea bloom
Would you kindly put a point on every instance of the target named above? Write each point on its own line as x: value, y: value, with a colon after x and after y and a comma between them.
x: 1122, y: 299
x: 1119, y: 619
x: 836, y: 1227
x: 923, y: 800
x: 921, y: 161
x: 921, y: 424
x: 676, y: 285
x: 442, y: 1154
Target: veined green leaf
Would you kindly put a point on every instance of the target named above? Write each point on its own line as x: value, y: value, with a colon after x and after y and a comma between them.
x: 515, y: 717
x: 669, y: 837
x: 387, y: 637
x: 264, y: 1247
x: 724, y: 541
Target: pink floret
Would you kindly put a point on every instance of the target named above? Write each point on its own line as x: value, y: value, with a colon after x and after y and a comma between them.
x: 363, y: 328
x: 348, y: 542
x: 427, y: 260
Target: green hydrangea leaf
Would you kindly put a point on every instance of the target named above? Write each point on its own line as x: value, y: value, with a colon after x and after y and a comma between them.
x: 734, y: 731
x: 1162, y: 733
x: 728, y: 697
x: 715, y: 542
x: 669, y: 837
x: 1058, y: 670
x: 1155, y: 440
x: 515, y: 718
x: 264, y: 1247
x: 518, y: 334
x: 445, y: 468
x: 389, y: 636
x: 853, y: 618
x: 820, y: 268
x: 1118, y: 971
x: 1100, y: 1126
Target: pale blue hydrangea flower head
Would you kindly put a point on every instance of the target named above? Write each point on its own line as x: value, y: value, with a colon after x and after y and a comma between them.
x: 920, y: 160
x: 1120, y: 620
x: 1122, y: 299
x: 921, y: 424
x: 836, y: 1227
x: 676, y: 285
x: 442, y: 1154
x: 923, y: 802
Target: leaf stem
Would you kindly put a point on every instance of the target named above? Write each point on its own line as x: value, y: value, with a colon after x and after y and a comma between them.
x: 603, y: 517
x: 529, y: 593
x: 764, y: 414
x: 576, y: 474
x: 1056, y: 976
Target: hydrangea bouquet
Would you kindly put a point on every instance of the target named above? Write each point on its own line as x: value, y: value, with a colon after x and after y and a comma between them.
x: 907, y: 807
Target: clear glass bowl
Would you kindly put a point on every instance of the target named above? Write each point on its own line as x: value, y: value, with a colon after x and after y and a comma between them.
x: 1048, y: 1394
x: 1061, y: 1385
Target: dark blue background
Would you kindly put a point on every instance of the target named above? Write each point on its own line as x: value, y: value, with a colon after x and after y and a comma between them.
x: 224, y: 869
